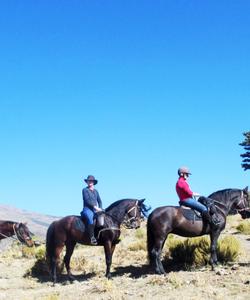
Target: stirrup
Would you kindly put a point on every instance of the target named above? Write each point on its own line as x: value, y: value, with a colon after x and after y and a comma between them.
x: 93, y: 241
x: 215, y: 221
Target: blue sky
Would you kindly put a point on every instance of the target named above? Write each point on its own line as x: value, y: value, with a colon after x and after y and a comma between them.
x: 125, y: 90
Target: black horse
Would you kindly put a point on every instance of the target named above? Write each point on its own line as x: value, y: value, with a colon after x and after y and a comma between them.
x: 70, y: 230
x: 18, y: 231
x: 170, y: 219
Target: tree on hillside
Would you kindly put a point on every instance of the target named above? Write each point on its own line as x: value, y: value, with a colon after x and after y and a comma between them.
x: 246, y: 156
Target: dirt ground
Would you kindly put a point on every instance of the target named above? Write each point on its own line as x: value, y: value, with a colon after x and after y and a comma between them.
x: 131, y: 278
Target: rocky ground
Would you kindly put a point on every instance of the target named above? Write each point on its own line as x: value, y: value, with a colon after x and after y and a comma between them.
x: 131, y: 276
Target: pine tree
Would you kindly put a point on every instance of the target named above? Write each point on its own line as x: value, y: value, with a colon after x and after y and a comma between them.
x: 246, y: 156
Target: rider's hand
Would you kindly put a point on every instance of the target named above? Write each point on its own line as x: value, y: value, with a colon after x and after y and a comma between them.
x: 196, y: 195
x: 97, y: 209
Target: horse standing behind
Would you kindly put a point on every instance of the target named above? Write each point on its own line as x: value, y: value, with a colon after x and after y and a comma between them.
x: 170, y: 219
x: 67, y: 232
x: 17, y: 231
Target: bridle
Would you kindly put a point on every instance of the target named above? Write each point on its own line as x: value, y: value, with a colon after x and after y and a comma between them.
x: 17, y: 236
x: 242, y: 201
x: 129, y: 220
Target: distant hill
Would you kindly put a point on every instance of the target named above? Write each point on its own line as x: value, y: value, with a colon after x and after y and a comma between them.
x: 37, y: 223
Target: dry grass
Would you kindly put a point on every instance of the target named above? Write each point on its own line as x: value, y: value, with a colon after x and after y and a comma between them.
x: 244, y: 227
x: 138, y: 245
x: 196, y: 251
x: 229, y: 249
x: 132, y: 278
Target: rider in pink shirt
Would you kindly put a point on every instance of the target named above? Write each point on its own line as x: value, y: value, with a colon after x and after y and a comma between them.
x: 187, y: 197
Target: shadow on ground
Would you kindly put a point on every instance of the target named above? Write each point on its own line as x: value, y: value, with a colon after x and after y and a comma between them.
x: 63, y: 278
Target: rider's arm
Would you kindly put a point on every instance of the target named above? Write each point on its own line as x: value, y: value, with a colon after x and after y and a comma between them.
x: 99, y: 200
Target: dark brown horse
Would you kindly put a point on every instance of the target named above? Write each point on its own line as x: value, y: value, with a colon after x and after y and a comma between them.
x: 18, y: 231
x: 170, y: 219
x: 70, y: 230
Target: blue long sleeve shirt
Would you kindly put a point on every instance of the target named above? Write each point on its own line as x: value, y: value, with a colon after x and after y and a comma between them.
x: 91, y: 198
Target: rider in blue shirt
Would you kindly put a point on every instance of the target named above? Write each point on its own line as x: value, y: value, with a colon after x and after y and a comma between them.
x: 92, y: 204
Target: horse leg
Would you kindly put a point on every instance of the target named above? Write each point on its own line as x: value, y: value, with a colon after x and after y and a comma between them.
x: 214, y: 235
x: 54, y: 262
x: 69, y: 250
x: 156, y: 252
x: 160, y: 265
x: 109, y: 250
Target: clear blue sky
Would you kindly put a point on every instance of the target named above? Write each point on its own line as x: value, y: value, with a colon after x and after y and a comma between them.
x: 125, y: 90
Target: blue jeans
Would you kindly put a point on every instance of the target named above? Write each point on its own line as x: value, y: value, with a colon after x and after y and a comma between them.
x: 88, y: 215
x: 192, y: 203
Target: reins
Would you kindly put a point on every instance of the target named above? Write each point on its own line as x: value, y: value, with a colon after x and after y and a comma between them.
x: 131, y: 209
x: 106, y: 229
x: 11, y: 236
x: 127, y: 221
x: 242, y: 199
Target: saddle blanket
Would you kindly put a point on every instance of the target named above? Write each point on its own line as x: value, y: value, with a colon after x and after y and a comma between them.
x: 79, y: 225
x: 191, y: 214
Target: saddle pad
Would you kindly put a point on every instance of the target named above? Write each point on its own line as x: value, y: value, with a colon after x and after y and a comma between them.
x: 79, y: 225
x: 190, y: 214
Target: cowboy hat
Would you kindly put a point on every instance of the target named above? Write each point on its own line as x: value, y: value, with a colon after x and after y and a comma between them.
x: 91, y: 178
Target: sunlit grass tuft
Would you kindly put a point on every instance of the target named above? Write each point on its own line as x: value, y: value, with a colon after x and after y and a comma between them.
x: 244, y: 227
x: 196, y: 251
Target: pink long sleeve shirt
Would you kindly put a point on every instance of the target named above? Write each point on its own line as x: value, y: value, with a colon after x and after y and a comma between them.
x: 183, y: 190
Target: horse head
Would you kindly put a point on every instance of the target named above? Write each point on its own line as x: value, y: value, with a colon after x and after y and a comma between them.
x: 242, y: 205
x: 23, y: 234
x: 135, y: 213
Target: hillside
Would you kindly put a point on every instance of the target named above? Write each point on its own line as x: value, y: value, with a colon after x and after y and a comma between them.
x: 37, y: 223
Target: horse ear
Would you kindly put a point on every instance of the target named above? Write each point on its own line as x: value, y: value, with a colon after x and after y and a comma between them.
x: 246, y: 189
x: 141, y: 201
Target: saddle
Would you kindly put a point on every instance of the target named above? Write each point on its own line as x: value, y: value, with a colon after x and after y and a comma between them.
x: 190, y: 214
x: 81, y: 225
x: 193, y: 215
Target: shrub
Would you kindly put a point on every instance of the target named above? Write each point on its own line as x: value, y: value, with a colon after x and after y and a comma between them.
x: 138, y: 245
x: 140, y: 233
x: 244, y: 227
x: 196, y: 251
x: 229, y: 249
x: 40, y: 266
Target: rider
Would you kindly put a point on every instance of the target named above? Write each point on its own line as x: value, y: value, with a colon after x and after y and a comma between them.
x: 92, y: 204
x: 187, y: 197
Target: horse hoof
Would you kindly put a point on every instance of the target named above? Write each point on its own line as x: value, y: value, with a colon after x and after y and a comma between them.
x: 108, y: 276
x: 71, y: 278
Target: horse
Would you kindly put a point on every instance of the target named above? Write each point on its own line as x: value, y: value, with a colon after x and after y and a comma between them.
x: 170, y: 219
x: 17, y: 231
x: 70, y: 230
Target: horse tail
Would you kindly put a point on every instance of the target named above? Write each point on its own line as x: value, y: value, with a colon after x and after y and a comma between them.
x: 150, y: 240
x: 50, y: 243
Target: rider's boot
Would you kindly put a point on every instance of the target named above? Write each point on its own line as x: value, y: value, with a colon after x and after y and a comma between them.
x: 92, y: 238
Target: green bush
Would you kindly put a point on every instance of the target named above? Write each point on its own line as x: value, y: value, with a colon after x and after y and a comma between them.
x: 229, y: 249
x: 196, y: 251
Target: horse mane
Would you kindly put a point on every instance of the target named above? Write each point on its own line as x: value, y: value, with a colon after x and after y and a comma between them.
x: 118, y: 202
x: 6, y: 221
x: 222, y: 192
x: 144, y: 208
